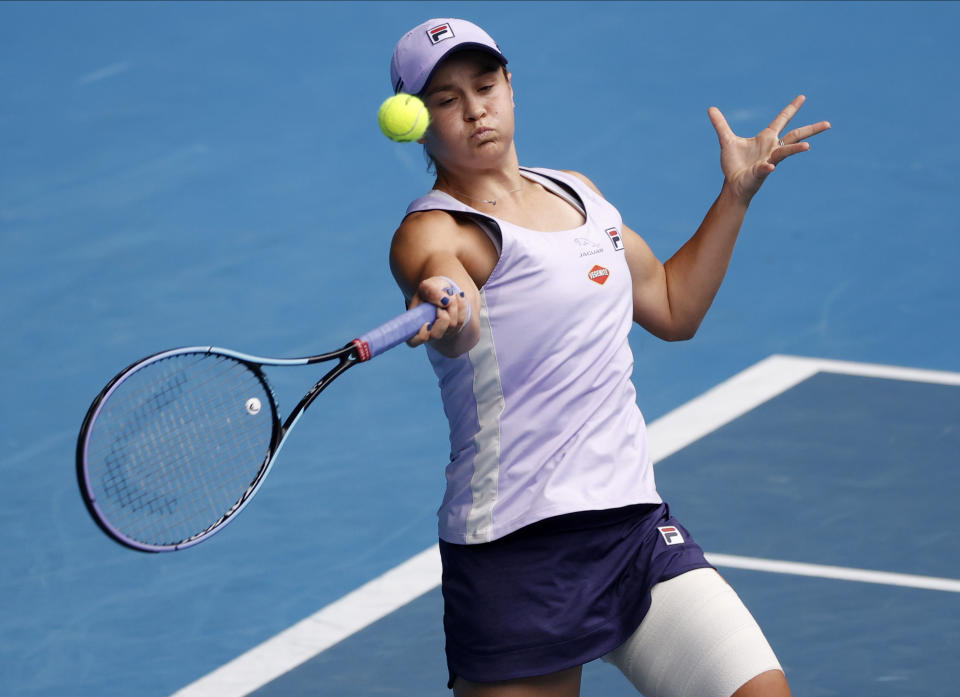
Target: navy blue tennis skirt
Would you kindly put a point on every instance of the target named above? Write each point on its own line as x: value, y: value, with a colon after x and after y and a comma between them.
x: 557, y: 593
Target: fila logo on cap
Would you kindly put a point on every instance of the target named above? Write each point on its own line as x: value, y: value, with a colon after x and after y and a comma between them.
x: 615, y: 238
x: 438, y: 34
x: 671, y: 535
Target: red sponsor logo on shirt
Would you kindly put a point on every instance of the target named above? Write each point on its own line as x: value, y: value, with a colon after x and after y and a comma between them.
x: 598, y: 274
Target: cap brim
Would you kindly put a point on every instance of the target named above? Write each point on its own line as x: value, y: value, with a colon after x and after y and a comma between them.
x: 465, y: 46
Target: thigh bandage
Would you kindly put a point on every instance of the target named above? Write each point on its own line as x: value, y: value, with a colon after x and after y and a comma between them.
x: 698, y: 638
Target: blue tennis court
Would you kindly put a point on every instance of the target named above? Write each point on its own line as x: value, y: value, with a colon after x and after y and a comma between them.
x: 887, y: 506
x: 211, y: 173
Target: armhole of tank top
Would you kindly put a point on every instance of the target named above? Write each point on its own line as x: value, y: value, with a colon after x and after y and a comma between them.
x: 489, y: 227
x: 564, y: 191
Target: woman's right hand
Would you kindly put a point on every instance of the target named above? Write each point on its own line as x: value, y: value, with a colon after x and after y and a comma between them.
x: 453, y: 313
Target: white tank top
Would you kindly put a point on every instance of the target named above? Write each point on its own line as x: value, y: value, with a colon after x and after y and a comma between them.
x: 542, y: 411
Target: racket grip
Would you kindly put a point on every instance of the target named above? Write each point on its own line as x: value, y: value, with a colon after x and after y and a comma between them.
x: 397, y: 330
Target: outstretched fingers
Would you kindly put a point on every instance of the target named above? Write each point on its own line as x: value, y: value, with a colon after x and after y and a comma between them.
x: 783, y: 118
x: 795, y: 141
x: 746, y: 162
x: 792, y: 143
x: 804, y: 132
x: 720, y: 124
x: 784, y: 151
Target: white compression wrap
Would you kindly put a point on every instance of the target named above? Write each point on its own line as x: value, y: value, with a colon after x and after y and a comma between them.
x: 698, y: 638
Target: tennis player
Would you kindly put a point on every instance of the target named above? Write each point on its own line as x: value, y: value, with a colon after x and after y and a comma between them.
x: 556, y: 547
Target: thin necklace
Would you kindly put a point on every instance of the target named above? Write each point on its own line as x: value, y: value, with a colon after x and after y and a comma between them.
x: 491, y: 201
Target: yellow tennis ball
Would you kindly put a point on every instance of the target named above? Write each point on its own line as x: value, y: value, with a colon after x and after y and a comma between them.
x: 403, y: 118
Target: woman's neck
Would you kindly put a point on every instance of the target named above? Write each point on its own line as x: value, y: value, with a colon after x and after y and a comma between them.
x: 486, y: 186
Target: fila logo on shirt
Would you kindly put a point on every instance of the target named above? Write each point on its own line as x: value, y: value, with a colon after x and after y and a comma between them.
x: 438, y: 34
x: 614, y: 236
x: 671, y: 535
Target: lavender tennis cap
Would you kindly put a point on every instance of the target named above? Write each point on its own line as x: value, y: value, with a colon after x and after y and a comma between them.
x: 420, y: 50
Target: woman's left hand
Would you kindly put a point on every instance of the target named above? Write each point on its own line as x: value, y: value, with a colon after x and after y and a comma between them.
x: 747, y: 162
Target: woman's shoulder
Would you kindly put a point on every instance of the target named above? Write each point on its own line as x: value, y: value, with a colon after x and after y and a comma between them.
x: 418, y: 224
x: 566, y: 174
x: 427, y: 227
x: 583, y: 178
x: 436, y: 200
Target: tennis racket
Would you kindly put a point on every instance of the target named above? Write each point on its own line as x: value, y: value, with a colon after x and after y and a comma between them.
x: 176, y: 445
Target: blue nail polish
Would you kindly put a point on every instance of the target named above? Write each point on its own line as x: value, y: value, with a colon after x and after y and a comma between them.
x: 462, y: 294
x: 444, y: 301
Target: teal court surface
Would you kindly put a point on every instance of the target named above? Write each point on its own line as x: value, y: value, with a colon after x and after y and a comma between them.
x: 211, y: 173
x: 861, y: 587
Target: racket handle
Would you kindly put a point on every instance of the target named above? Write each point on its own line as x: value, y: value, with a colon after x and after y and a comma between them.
x: 399, y: 329
x: 394, y: 332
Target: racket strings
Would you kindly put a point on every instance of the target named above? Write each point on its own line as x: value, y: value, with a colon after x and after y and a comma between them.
x: 135, y: 420
x: 194, y: 484
x: 176, y: 448
x: 115, y: 483
x: 186, y: 430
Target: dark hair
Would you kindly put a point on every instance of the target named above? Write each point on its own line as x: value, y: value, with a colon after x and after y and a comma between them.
x: 431, y: 163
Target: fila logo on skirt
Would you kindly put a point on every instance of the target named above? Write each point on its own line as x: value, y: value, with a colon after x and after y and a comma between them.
x: 671, y: 535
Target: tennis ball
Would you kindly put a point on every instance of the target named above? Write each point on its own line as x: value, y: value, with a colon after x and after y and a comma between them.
x: 403, y: 118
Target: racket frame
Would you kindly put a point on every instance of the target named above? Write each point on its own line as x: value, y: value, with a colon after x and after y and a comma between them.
x: 346, y: 358
x: 365, y: 347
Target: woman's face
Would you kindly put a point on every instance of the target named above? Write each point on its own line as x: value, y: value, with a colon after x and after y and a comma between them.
x: 470, y: 100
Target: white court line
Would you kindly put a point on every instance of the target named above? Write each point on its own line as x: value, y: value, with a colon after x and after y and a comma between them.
x: 757, y: 384
x: 840, y: 573
x: 321, y: 630
x: 668, y: 434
